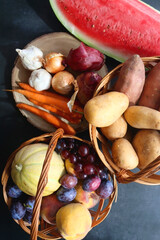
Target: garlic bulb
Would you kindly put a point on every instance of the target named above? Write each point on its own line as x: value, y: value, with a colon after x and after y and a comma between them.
x: 31, y: 57
x: 40, y: 79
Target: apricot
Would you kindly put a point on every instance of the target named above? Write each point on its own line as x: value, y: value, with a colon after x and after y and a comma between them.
x: 73, y: 221
x: 89, y: 199
x: 49, y: 207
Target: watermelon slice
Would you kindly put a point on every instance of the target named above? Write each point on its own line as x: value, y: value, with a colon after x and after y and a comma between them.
x: 118, y: 28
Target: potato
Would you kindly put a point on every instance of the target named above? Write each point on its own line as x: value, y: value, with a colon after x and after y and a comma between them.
x: 150, y: 96
x: 116, y: 130
x: 131, y: 78
x: 124, y: 155
x: 147, y: 146
x: 143, y: 117
x: 103, y: 110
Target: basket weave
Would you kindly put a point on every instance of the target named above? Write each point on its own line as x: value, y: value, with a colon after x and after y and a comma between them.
x: 40, y: 228
x: 145, y: 176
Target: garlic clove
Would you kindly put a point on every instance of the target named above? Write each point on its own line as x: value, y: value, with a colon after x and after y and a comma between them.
x: 40, y: 79
x: 31, y: 57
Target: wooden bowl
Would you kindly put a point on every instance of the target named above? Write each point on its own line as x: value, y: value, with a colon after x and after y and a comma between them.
x: 53, y: 42
x: 40, y: 228
x: 145, y: 176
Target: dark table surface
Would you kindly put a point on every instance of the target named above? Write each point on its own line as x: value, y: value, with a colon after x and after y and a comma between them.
x: 136, y: 215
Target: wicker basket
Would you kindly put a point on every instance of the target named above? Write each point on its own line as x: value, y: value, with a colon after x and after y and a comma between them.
x: 40, y: 228
x: 145, y: 176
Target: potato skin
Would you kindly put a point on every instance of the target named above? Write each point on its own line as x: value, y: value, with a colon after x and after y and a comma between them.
x: 147, y: 146
x: 116, y: 130
x: 131, y: 78
x: 150, y: 96
x: 103, y: 110
x: 124, y: 155
x: 143, y: 117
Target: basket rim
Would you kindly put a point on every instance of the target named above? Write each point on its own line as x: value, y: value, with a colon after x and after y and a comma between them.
x: 97, y: 216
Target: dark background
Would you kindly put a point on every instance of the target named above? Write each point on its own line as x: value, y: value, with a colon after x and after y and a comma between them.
x: 136, y: 215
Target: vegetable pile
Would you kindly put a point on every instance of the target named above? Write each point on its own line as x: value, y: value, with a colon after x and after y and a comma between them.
x: 128, y: 114
x: 56, y: 81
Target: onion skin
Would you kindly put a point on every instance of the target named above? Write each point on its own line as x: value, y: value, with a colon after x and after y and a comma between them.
x: 54, y: 62
x: 62, y: 82
x: 87, y: 83
x: 85, y: 58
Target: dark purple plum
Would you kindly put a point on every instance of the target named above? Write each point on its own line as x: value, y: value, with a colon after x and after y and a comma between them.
x: 29, y: 204
x: 105, y: 189
x: 91, y: 183
x: 17, y: 210
x: 28, y: 217
x: 14, y: 191
x: 66, y: 195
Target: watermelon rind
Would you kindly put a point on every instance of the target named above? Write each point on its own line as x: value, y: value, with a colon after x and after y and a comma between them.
x: 84, y: 38
x: 113, y: 53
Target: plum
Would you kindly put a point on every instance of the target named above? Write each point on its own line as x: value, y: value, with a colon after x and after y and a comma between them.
x: 17, y: 210
x: 66, y: 195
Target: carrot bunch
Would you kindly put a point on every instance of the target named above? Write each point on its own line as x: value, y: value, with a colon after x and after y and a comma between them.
x: 52, y: 102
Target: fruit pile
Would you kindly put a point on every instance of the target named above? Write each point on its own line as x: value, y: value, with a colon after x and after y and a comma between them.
x: 82, y: 164
x: 59, y: 86
x: 85, y: 180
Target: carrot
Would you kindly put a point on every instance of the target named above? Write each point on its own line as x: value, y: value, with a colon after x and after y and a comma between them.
x: 54, y: 101
x: 26, y: 86
x: 56, y: 122
x: 56, y: 111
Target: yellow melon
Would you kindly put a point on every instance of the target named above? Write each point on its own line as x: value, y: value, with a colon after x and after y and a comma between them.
x: 27, y: 166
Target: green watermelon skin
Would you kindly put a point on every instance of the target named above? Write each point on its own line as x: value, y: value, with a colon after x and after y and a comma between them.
x: 118, y: 28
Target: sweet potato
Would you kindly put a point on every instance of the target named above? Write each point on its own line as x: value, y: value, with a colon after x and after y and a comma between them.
x: 131, y: 78
x: 150, y: 96
x: 143, y: 117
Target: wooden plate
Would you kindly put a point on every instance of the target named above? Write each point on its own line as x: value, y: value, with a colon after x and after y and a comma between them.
x: 53, y: 42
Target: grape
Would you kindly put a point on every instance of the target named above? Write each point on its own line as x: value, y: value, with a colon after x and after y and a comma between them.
x: 78, y: 167
x: 29, y: 204
x: 89, y: 169
x: 91, y: 183
x: 90, y: 158
x: 105, y: 189
x: 65, y: 154
x: 63, y: 144
x: 73, y: 158
x: 68, y: 181
x: 28, y: 217
x: 14, y: 191
x: 66, y: 195
x: 82, y: 175
x: 83, y: 150
x: 71, y: 145
x: 103, y: 174
x: 17, y: 210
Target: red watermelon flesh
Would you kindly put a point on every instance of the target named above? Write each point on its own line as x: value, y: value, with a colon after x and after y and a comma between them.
x: 118, y: 28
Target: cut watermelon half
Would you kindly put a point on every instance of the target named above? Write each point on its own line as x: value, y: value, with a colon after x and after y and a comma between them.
x: 118, y: 28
